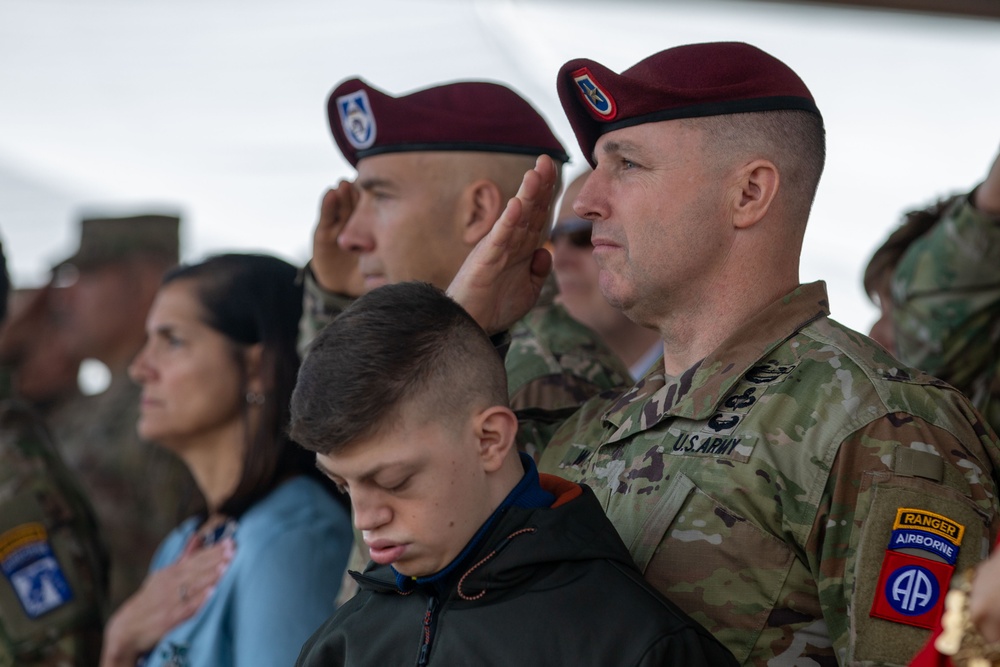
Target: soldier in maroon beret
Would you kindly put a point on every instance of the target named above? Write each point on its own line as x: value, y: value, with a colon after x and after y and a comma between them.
x: 435, y: 169
x: 782, y: 478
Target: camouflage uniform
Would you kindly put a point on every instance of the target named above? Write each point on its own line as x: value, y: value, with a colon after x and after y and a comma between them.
x: 53, y: 595
x: 555, y: 363
x: 946, y: 304
x: 759, y: 489
x: 139, y: 490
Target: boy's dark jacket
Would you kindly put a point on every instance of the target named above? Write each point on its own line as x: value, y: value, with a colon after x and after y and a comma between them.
x: 549, y: 587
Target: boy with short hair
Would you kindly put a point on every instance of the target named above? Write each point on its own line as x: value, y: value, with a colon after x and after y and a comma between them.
x: 477, y: 559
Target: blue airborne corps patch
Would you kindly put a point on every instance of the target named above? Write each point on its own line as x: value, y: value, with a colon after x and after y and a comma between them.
x: 27, y: 561
x: 357, y: 119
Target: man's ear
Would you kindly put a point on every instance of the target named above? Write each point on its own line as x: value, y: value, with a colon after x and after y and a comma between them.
x: 496, y: 429
x: 481, y: 205
x: 757, y: 184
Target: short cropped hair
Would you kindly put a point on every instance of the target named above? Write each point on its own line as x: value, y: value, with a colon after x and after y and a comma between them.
x: 400, y: 345
x: 794, y: 140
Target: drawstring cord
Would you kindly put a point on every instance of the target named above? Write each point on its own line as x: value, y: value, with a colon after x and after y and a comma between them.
x: 497, y: 549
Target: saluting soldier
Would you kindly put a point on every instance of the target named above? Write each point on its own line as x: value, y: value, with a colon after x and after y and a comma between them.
x: 782, y: 478
x: 435, y: 168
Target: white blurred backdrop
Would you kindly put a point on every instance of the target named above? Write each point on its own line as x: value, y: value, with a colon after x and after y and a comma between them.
x: 216, y: 109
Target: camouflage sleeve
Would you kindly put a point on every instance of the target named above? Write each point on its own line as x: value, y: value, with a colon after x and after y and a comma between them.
x: 946, y: 304
x: 554, y: 365
x: 906, y: 505
x: 319, y: 308
x: 53, y: 592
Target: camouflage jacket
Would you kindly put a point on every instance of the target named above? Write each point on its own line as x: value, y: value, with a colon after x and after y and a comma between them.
x: 946, y: 298
x: 53, y: 592
x: 760, y: 489
x: 139, y: 490
x: 554, y: 363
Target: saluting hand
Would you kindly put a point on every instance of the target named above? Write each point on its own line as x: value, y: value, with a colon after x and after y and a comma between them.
x: 501, y: 279
x: 336, y: 269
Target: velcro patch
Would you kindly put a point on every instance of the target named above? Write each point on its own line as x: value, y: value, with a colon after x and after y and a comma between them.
x: 911, y: 590
x: 32, y: 569
x: 917, y: 519
x: 920, y: 539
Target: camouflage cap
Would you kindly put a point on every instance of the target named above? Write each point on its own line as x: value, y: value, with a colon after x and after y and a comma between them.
x: 105, y: 240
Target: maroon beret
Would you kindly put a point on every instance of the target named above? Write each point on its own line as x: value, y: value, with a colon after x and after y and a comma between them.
x: 688, y: 81
x: 461, y: 116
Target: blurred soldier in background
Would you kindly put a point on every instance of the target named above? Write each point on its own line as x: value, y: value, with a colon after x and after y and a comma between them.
x: 577, y: 273
x: 35, y: 347
x: 53, y: 592
x: 937, y: 282
x: 140, y: 491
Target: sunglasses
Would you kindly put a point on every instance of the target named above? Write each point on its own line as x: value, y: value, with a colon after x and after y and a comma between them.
x: 576, y: 231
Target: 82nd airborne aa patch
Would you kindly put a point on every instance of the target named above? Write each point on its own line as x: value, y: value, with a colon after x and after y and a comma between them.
x: 597, y: 99
x: 911, y: 588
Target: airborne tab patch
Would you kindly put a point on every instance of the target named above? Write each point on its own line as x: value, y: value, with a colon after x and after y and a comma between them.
x: 27, y: 561
x: 911, y: 590
x: 919, y: 539
x: 917, y: 519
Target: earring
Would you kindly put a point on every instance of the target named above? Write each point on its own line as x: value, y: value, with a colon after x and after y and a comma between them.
x: 253, y: 398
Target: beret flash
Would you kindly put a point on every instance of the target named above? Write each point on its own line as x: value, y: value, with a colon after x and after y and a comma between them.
x: 460, y: 116
x: 688, y: 81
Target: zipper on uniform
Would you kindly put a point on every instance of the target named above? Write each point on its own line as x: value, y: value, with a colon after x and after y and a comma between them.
x: 427, y: 636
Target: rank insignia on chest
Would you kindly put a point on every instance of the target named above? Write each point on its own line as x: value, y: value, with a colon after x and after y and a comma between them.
x: 27, y: 561
x: 919, y: 562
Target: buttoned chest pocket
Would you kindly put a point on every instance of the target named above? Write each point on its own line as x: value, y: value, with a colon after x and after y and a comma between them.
x: 720, y: 567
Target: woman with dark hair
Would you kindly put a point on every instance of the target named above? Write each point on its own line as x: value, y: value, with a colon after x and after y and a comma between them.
x: 251, y: 577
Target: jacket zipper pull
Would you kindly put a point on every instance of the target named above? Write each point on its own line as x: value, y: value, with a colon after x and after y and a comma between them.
x: 428, y: 633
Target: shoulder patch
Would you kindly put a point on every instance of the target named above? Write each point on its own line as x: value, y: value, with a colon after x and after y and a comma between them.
x: 918, y: 519
x: 357, y: 119
x: 911, y: 590
x: 596, y: 98
x: 27, y: 561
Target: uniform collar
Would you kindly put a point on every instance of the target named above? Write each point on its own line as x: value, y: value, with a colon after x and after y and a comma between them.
x: 697, y: 392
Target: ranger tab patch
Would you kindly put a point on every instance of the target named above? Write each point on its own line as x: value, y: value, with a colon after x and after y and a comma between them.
x: 596, y: 99
x: 942, y: 526
x: 32, y: 569
x: 911, y: 590
x: 357, y: 119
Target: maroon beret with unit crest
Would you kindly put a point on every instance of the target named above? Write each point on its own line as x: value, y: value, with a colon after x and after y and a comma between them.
x: 460, y: 116
x: 688, y: 81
